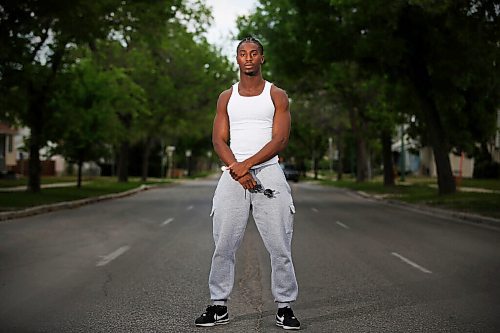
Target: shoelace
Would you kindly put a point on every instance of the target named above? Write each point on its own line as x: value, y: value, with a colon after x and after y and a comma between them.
x: 287, y: 312
x: 211, y: 310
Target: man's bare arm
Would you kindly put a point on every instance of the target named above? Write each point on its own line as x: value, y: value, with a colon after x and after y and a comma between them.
x: 220, y: 139
x: 220, y: 132
x: 279, y: 141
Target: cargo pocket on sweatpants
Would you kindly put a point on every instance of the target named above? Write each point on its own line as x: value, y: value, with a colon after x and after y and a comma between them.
x: 289, y: 229
x: 212, y: 210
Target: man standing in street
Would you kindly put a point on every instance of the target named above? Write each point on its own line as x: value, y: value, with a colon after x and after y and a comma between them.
x: 251, y: 127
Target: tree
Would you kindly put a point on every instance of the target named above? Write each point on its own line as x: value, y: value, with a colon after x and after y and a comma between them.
x: 87, y: 106
x: 416, y: 44
x: 336, y: 91
x: 35, y: 37
x: 421, y: 45
x: 181, y: 75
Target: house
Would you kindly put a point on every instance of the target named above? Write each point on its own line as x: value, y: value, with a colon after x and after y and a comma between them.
x: 52, y: 165
x: 420, y: 160
x: 7, y: 148
x: 461, y: 165
x: 412, y: 159
x: 494, y: 146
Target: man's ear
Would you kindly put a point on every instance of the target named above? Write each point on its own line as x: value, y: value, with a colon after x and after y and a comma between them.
x: 262, y: 60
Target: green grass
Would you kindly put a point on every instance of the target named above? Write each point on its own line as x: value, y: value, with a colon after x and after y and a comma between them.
x: 44, y: 180
x: 419, y: 192
x: 492, y: 184
x: 96, y: 187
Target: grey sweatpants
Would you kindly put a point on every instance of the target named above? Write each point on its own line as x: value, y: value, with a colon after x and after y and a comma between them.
x: 274, y: 219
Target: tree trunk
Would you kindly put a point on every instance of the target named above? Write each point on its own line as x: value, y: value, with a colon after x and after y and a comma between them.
x: 316, y: 167
x: 37, y: 117
x: 438, y: 139
x: 361, y: 158
x: 387, y: 158
x: 361, y: 153
x: 435, y: 129
x: 421, y: 80
x: 145, y: 158
x: 80, y: 166
x: 126, y: 120
x: 446, y: 181
x: 35, y: 167
x: 123, y: 162
x: 440, y: 147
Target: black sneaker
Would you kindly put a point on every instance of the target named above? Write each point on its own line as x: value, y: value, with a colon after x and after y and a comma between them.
x: 286, y: 319
x: 214, y: 315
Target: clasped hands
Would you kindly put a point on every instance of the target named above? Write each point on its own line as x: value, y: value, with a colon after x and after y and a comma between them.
x: 240, y: 171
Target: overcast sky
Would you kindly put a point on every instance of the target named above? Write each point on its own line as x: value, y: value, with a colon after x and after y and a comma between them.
x: 223, y: 28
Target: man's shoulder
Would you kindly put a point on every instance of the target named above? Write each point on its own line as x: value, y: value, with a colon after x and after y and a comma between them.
x: 277, y: 92
x: 224, y: 97
x: 226, y: 93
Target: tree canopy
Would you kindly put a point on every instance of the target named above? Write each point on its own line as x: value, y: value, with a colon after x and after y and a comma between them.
x: 107, y: 74
x: 445, y: 56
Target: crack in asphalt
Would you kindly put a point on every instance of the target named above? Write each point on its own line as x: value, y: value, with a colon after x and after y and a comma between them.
x: 106, y: 282
x: 250, y: 283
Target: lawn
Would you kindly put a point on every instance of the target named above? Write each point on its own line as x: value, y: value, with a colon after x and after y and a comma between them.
x: 45, y: 180
x: 420, y: 192
x: 95, y: 187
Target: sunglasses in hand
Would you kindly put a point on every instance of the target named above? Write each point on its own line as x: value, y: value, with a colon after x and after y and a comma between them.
x: 259, y: 189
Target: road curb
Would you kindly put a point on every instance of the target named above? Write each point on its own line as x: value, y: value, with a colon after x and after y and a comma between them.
x: 4, y: 216
x: 467, y: 217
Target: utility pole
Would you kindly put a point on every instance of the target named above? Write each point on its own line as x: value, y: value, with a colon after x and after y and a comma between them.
x: 188, y: 162
x: 330, y: 154
x: 170, y: 154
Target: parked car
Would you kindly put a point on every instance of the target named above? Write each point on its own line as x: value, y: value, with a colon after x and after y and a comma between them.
x: 291, y: 172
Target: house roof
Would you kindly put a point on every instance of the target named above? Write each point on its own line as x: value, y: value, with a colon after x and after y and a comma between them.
x: 6, y: 129
x: 409, y: 144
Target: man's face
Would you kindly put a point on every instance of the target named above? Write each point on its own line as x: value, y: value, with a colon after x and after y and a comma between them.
x: 249, y: 58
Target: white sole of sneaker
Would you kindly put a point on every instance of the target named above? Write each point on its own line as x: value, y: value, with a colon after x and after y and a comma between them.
x: 222, y: 322
x: 287, y: 327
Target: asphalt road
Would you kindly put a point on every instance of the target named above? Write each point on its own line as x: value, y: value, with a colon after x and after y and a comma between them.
x: 141, y: 263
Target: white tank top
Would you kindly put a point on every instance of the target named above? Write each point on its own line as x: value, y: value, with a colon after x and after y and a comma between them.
x: 250, y: 123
